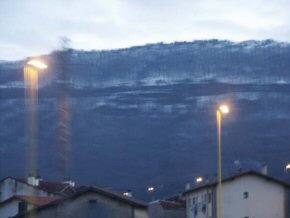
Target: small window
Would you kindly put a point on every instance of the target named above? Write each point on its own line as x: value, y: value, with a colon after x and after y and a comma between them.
x: 205, y: 198
x: 209, y: 197
x: 195, y: 211
x: 246, y: 217
x: 246, y: 195
x: 193, y: 201
x: 22, y: 207
x: 92, y: 201
x: 203, y: 209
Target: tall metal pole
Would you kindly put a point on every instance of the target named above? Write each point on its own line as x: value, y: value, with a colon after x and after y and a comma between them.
x: 64, y: 121
x: 219, y: 129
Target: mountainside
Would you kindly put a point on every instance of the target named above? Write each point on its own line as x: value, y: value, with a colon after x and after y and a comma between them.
x: 145, y: 115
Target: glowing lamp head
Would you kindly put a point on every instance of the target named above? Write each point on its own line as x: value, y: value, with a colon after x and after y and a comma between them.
x: 37, y: 64
x: 151, y: 189
x: 287, y: 167
x: 224, y: 109
x: 198, y: 180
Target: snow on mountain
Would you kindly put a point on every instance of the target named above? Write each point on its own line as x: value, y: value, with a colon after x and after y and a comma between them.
x: 140, y: 111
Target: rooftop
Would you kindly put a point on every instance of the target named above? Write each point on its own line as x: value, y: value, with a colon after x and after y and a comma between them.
x: 235, y: 176
x: 90, y: 189
x: 34, y: 200
x: 47, y: 186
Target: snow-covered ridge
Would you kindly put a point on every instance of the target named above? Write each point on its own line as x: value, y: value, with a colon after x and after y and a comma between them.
x: 201, y: 61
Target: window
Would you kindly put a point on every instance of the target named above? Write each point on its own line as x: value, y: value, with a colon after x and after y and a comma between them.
x: 22, y: 207
x: 209, y: 197
x: 194, y: 201
x: 246, y: 195
x: 203, y: 209
x: 189, y: 202
x: 204, y: 196
x: 195, y: 211
x: 92, y: 201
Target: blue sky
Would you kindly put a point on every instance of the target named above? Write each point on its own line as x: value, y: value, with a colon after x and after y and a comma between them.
x: 33, y: 27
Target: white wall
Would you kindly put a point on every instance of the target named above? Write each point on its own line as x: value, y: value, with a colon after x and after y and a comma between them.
x: 140, y: 213
x: 10, y: 187
x: 266, y: 199
x: 10, y: 208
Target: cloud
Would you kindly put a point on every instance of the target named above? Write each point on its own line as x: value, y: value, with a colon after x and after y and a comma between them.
x: 34, y: 26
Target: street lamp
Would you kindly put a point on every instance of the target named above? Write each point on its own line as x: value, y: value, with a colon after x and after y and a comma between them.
x: 223, y: 109
x: 198, y: 180
x: 151, y: 189
x: 31, y: 69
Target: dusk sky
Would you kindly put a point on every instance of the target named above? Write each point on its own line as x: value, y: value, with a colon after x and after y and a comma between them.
x: 34, y: 27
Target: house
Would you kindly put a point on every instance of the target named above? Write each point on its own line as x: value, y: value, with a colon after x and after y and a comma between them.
x: 245, y: 195
x: 21, y: 194
x: 21, y: 203
x: 170, y: 208
x: 11, y: 186
x: 91, y: 202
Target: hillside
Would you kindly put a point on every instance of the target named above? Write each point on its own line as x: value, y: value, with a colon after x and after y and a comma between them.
x: 146, y: 115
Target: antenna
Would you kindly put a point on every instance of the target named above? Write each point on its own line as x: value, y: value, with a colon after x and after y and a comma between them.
x: 64, y: 115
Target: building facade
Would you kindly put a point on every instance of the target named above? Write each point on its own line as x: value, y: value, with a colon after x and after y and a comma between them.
x: 22, y: 194
x: 167, y: 209
x: 92, y: 202
x: 245, y: 195
x: 21, y: 203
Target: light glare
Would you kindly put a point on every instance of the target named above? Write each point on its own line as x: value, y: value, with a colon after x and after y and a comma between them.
x: 199, y: 179
x: 224, y: 109
x: 37, y: 63
x: 151, y: 189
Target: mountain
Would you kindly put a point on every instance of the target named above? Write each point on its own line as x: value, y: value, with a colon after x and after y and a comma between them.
x: 145, y: 116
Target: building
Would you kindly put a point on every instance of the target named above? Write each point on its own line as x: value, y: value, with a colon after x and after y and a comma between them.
x: 91, y: 202
x: 21, y: 194
x: 170, y: 208
x: 21, y: 203
x: 245, y: 195
x: 11, y: 186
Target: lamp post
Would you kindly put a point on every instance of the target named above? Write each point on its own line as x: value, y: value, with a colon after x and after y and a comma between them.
x: 31, y: 69
x: 223, y: 109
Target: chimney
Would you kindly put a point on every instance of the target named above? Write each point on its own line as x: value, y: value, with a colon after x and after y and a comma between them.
x: 187, y: 186
x: 128, y: 193
x: 33, y: 180
x: 264, y: 169
x: 69, y: 182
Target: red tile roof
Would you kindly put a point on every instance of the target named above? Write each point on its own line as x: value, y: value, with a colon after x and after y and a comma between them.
x: 48, y: 186
x: 36, y: 200
x: 52, y: 187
